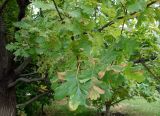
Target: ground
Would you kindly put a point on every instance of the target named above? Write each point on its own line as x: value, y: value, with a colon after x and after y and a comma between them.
x: 135, y: 107
x: 138, y: 107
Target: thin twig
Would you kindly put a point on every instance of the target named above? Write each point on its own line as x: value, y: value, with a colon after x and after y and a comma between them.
x: 78, y: 67
x: 122, y: 26
x: 143, y: 60
x: 31, y: 100
x: 57, y: 10
x: 150, y: 71
x: 106, y: 25
x: 24, y: 80
x: 41, y: 12
x: 121, y: 17
x: 21, y: 67
x: 95, y: 13
x: 148, y: 5
x: 29, y: 74
x: 116, y: 102
x: 124, y: 20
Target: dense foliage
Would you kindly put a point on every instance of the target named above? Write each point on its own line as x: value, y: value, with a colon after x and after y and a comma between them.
x: 95, y: 52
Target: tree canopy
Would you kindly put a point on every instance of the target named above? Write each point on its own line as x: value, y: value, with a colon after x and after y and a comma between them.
x: 94, y: 52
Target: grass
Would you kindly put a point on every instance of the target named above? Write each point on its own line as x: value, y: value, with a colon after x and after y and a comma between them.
x: 60, y: 108
x: 134, y: 107
x: 138, y: 107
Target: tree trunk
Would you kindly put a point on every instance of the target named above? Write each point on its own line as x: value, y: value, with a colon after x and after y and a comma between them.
x: 107, y: 110
x: 7, y: 66
x: 7, y: 102
x: 108, y: 106
x: 7, y: 95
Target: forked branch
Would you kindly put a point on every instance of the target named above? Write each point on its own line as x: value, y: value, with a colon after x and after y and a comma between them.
x: 118, y: 101
x: 21, y: 67
x: 25, y: 80
x: 57, y: 10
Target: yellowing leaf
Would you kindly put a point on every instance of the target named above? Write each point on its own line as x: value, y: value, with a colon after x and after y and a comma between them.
x: 93, y: 61
x: 81, y: 49
x: 61, y: 75
x: 93, y: 94
x: 101, y: 74
x: 84, y: 80
x: 108, y: 68
x: 140, y: 73
x: 73, y: 105
x: 99, y: 90
x: 123, y: 64
x: 137, y: 75
x: 43, y: 88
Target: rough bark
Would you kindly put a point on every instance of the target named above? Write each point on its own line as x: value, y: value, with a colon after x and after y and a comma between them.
x: 7, y: 66
x: 7, y: 102
x: 107, y: 110
x: 7, y: 96
x: 108, y: 106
